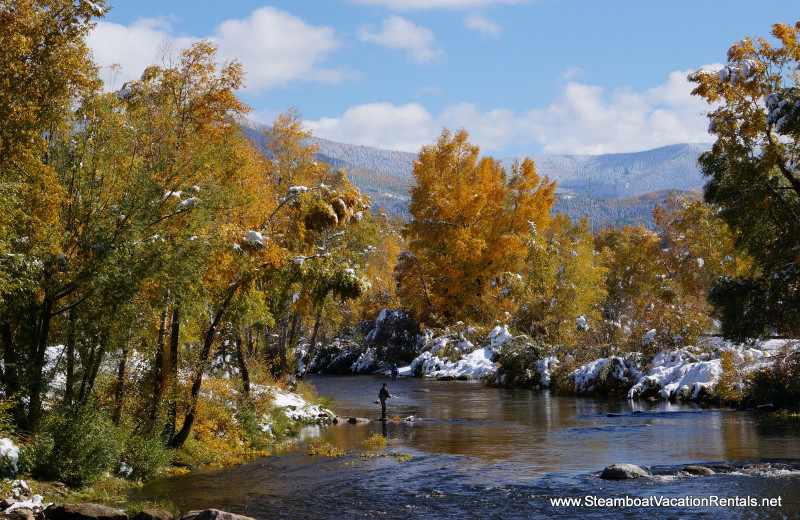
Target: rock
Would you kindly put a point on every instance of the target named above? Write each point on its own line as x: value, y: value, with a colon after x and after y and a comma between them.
x: 423, y: 390
x: 760, y: 465
x: 446, y: 378
x: 723, y: 468
x: 7, y: 502
x: 698, y: 470
x: 213, y: 514
x: 350, y: 420
x: 153, y: 514
x: 465, y: 377
x: 22, y: 513
x: 83, y: 512
x: 624, y: 471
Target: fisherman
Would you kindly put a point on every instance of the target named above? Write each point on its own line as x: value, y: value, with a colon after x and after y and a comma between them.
x: 395, y: 371
x: 383, y: 395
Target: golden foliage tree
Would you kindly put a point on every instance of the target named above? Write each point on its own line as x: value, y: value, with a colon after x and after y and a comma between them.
x: 754, y: 178
x: 469, y: 221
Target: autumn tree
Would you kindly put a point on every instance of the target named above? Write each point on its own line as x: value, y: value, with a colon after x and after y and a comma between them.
x: 46, y: 67
x: 754, y: 178
x: 557, y: 296
x: 469, y: 221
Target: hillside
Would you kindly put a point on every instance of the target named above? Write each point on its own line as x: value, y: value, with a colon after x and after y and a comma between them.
x: 611, y: 189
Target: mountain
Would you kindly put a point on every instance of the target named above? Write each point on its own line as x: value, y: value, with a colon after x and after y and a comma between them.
x: 610, y: 189
x: 671, y: 167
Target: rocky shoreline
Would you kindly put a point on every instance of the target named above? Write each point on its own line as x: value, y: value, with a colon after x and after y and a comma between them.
x: 101, y: 512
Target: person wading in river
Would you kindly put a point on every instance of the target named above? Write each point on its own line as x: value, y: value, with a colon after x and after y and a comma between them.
x: 383, y: 395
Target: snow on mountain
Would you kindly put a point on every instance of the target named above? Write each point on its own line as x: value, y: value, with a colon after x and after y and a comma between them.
x: 599, y: 186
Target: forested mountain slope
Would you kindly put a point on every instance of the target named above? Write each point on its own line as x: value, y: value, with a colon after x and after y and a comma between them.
x: 611, y: 189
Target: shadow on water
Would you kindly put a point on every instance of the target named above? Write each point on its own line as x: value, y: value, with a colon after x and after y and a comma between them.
x: 480, y: 452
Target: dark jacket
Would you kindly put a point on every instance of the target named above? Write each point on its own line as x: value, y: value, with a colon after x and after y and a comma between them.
x: 384, y: 394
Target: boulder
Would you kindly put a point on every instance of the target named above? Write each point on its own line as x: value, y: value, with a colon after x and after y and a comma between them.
x: 446, y: 378
x: 7, y: 502
x: 213, y: 514
x: 465, y: 377
x: 153, y: 514
x: 723, y: 468
x: 623, y: 471
x: 83, y: 512
x: 698, y: 470
x: 350, y: 420
x: 22, y: 513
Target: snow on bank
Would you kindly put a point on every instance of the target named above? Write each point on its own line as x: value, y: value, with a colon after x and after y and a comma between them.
x: 294, y: 406
x: 681, y: 373
x: 678, y: 373
x: 9, y: 456
x: 475, y: 364
x: 611, y: 370
x: 687, y: 373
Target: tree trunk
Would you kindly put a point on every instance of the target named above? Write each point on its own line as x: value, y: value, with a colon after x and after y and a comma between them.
x: 11, y: 367
x: 171, y: 379
x: 159, y: 372
x: 119, y: 395
x: 39, y: 349
x: 242, y: 359
x: 90, y: 372
x: 312, y: 347
x: 188, y: 421
x: 70, y: 355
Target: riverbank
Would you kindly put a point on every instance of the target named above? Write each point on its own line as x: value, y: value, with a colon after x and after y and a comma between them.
x: 283, y: 414
x: 713, y: 370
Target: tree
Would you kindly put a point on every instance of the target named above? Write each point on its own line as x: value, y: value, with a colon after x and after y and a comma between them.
x: 754, y: 179
x: 46, y: 67
x: 469, y: 221
x: 558, y: 295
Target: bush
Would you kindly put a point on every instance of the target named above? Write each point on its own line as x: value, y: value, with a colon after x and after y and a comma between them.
x: 778, y: 383
x: 74, y: 447
x: 144, y: 457
x: 518, y: 364
x: 394, y: 335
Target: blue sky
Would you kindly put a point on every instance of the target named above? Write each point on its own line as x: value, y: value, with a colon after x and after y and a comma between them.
x: 522, y: 76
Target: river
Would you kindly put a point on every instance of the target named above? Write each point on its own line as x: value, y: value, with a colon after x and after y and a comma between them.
x: 481, y: 452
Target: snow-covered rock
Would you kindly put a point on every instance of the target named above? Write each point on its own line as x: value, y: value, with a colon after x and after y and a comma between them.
x: 604, y: 373
x: 9, y: 457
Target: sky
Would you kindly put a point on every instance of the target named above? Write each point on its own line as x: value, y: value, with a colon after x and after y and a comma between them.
x: 521, y: 76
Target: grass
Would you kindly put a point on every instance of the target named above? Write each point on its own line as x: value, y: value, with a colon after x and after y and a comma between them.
x: 374, y: 441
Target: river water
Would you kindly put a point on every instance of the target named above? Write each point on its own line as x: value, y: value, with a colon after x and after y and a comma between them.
x: 481, y: 452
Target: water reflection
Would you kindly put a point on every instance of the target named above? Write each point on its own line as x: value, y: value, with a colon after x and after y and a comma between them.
x: 495, y: 453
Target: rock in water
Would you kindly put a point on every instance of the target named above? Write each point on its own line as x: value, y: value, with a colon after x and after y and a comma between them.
x: 153, y: 514
x: 213, y: 514
x: 83, y: 512
x: 624, y: 471
x: 698, y: 470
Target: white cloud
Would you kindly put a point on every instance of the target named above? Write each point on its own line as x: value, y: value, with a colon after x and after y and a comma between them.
x: 382, y: 125
x: 587, y: 119
x: 479, y: 23
x: 404, y: 5
x: 274, y: 47
x: 584, y: 119
x: 398, y: 33
x: 134, y: 47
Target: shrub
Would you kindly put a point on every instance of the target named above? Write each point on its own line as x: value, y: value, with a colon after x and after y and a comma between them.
x: 74, y: 447
x: 144, y: 457
x: 374, y: 441
x: 394, y: 335
x: 518, y: 364
x: 729, y: 388
x: 778, y: 383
